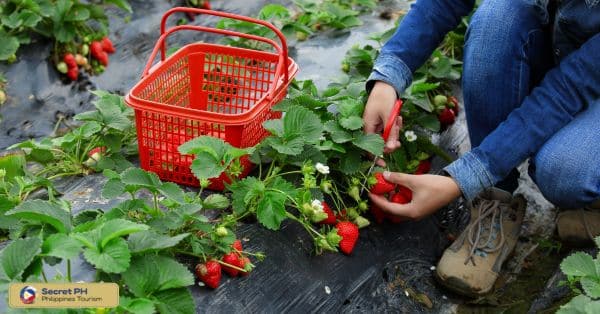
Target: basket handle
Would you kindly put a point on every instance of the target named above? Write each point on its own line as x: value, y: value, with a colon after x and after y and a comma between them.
x: 282, y: 50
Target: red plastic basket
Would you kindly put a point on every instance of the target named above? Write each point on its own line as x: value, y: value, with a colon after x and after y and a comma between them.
x: 206, y: 89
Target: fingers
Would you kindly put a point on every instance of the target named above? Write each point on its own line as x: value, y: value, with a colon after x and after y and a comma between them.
x: 393, y: 141
x: 404, y: 210
x: 399, y: 178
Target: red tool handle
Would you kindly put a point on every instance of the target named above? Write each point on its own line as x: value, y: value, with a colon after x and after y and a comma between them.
x: 391, y: 119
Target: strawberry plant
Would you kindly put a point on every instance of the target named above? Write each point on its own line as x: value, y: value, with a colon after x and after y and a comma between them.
x: 583, y: 277
x: 71, y: 25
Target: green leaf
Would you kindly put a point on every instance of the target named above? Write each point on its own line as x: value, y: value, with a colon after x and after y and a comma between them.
x: 116, y: 228
x: 274, y: 126
x: 175, y: 301
x: 299, y: 121
x: 9, y: 47
x: 576, y: 305
x: 591, y: 286
x: 43, y: 212
x: 351, y: 162
x: 271, y: 210
x: 136, y: 306
x: 215, y: 201
x: 352, y: 123
x: 17, y: 256
x: 286, y: 146
x: 350, y: 107
x: 428, y: 121
x: 239, y: 191
x: 213, y: 146
x: 172, y: 191
x: 338, y: 134
x: 78, y: 13
x: 593, y: 307
x: 122, y: 4
x: 141, y: 178
x: 12, y: 21
x: 61, y: 246
x: 372, y: 143
x: 113, y: 188
x: 579, y: 264
x: 422, y: 86
x: 29, y: 18
x: 204, y: 166
x: 149, y: 240
x: 273, y: 10
x: 150, y: 274
x: 14, y: 165
x: 113, y: 258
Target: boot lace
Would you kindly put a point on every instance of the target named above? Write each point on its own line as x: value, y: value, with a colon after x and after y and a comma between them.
x: 488, y: 221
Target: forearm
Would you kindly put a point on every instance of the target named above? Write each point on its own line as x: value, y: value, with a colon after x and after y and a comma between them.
x: 419, y: 33
x: 564, y: 92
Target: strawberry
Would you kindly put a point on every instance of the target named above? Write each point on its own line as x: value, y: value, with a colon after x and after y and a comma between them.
x: 245, y: 264
x: 349, y: 233
x: 377, y: 213
x: 231, y: 259
x: 406, y: 192
x: 62, y: 67
x: 399, y: 198
x: 330, y: 220
x: 81, y: 60
x: 237, y: 246
x: 341, y: 215
x: 69, y: 59
x: 453, y: 104
x: 423, y: 167
x: 381, y: 185
x: 96, y: 49
x: 103, y: 58
x: 209, y: 273
x: 73, y: 73
x: 107, y: 45
x: 97, y: 151
x: 446, y: 117
x: 205, y: 5
x: 440, y: 101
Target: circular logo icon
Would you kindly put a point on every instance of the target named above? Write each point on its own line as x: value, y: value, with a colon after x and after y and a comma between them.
x: 27, y: 294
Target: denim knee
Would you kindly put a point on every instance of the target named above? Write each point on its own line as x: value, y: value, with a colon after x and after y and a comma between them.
x: 562, y: 178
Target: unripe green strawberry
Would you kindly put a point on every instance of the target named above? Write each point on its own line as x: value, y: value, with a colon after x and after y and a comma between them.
x: 354, y: 192
x: 301, y: 36
x: 363, y: 206
x: 62, y: 67
x: 361, y: 222
x: 12, y: 59
x: 345, y: 66
x: 85, y: 49
x: 440, y: 101
x: 326, y: 186
x: 221, y: 231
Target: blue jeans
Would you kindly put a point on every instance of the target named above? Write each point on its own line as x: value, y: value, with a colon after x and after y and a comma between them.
x: 509, y: 49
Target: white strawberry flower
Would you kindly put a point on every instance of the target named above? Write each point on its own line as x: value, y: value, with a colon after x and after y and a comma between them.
x: 322, y: 168
x: 410, y: 136
x: 317, y: 205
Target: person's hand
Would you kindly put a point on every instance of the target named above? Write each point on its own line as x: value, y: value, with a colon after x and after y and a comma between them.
x: 429, y: 193
x: 379, y: 105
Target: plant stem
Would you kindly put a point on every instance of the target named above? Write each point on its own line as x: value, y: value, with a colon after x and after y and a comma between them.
x: 44, y: 275
x: 69, y: 271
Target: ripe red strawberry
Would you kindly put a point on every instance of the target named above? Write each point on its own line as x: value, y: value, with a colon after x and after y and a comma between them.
x: 209, y: 273
x: 406, y: 192
x: 330, y: 220
x: 452, y: 100
x: 98, y: 150
x: 69, y: 59
x: 96, y: 49
x: 244, y: 261
x: 205, y: 5
x: 382, y: 186
x: 107, y: 45
x: 73, y: 73
x: 377, y: 213
x: 103, y: 58
x: 349, y: 233
x: 237, y: 246
x: 423, y: 167
x: 446, y: 117
x: 399, y: 198
x: 231, y: 259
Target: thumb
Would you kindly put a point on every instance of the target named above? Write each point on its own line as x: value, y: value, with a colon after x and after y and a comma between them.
x: 398, y: 178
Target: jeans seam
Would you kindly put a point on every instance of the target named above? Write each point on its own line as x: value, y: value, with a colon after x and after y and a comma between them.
x: 526, y: 58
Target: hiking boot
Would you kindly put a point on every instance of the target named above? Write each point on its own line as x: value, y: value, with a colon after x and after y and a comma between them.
x: 579, y: 227
x: 471, y: 265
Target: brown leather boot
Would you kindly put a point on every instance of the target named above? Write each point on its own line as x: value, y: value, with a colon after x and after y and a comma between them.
x: 579, y: 227
x: 471, y: 265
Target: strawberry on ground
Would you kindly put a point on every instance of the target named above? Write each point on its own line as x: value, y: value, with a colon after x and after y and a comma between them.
x: 73, y: 73
x: 209, y: 273
x: 349, y: 233
x: 423, y: 167
x: 107, y: 45
x: 245, y: 264
x: 381, y: 186
x: 446, y: 117
x: 231, y: 259
x: 330, y: 220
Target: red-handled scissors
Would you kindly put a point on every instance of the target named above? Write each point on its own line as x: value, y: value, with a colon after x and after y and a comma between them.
x: 386, y: 133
